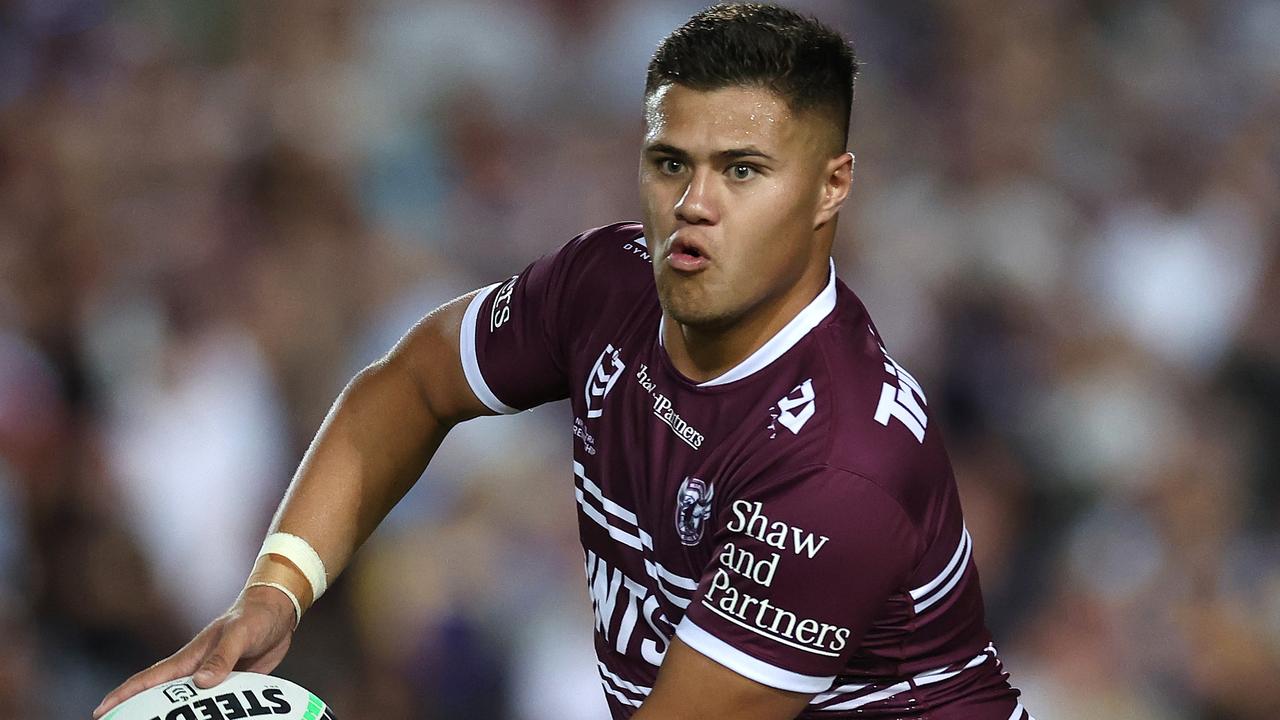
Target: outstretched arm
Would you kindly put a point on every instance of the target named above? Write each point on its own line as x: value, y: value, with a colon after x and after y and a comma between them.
x: 372, y: 447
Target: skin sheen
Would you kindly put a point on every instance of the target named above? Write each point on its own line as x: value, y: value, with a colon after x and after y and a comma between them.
x: 739, y: 196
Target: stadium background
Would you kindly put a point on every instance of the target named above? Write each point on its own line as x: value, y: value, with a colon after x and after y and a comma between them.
x: 212, y: 214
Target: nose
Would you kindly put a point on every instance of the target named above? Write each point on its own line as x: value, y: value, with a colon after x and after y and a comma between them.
x: 697, y: 206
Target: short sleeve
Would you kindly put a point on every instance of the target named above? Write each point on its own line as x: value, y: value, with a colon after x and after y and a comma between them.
x: 803, y: 566
x: 512, y: 342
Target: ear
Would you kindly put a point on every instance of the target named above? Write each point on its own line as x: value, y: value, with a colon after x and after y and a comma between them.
x: 837, y: 180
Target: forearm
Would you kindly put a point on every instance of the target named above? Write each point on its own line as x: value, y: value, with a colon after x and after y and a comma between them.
x: 374, y: 444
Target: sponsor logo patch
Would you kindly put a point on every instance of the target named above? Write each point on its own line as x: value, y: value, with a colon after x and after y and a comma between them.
x: 901, y: 399
x: 665, y: 411
x: 747, y: 568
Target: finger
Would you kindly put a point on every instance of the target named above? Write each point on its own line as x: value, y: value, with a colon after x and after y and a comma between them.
x: 222, y: 659
x: 180, y: 664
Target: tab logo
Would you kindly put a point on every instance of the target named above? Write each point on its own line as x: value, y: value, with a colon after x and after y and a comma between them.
x: 603, y: 376
x: 901, y: 398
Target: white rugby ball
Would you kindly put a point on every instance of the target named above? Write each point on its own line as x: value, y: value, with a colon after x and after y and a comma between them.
x: 242, y: 696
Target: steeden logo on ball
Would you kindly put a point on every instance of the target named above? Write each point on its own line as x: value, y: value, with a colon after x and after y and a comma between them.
x: 242, y: 695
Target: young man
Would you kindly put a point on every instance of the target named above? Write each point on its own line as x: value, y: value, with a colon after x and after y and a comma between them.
x: 770, y: 525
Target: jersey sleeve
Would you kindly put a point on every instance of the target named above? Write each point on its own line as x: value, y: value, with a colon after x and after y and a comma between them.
x: 513, y: 339
x: 803, y: 566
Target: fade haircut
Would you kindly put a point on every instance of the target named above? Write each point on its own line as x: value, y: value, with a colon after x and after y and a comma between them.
x: 806, y: 63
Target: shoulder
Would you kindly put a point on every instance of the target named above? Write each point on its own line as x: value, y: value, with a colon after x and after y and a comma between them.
x: 829, y: 502
x: 877, y: 424
x: 617, y: 247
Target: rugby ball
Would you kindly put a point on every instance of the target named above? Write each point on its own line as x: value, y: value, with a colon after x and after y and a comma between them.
x: 242, y: 696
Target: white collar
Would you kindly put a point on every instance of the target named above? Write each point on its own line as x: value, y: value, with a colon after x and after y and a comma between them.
x: 786, y: 338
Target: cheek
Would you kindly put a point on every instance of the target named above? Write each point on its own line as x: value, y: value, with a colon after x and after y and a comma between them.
x: 771, y: 206
x: 652, y: 197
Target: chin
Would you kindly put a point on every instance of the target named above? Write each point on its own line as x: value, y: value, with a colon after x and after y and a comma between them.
x: 691, y: 304
x: 692, y: 313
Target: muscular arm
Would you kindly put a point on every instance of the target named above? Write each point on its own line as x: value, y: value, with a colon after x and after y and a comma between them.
x: 375, y: 442
x: 692, y: 686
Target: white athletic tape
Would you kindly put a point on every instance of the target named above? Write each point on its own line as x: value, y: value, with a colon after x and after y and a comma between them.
x: 297, y: 606
x: 300, y: 553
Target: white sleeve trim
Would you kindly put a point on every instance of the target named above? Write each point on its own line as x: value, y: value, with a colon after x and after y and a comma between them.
x: 470, y: 363
x: 746, y: 665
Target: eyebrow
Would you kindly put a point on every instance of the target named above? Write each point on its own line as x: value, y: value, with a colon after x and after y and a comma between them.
x: 730, y: 154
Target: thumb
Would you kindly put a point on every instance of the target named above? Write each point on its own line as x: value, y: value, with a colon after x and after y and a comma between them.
x: 222, y: 659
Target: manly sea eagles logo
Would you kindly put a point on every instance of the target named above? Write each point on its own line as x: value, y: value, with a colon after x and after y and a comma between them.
x: 604, y: 374
x: 693, y: 505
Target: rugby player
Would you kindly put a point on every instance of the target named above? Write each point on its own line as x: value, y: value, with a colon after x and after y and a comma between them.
x: 769, y: 520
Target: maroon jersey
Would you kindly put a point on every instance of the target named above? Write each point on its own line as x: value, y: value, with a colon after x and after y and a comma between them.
x: 795, y: 519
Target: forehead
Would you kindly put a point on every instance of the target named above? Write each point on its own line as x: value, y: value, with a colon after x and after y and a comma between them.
x: 714, y: 119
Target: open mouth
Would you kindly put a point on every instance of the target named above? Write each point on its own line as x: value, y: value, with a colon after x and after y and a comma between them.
x: 686, y: 256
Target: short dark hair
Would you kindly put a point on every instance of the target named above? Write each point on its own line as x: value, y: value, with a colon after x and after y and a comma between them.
x: 805, y: 62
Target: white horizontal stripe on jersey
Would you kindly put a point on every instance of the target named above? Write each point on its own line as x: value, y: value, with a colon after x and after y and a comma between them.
x: 1018, y: 713
x: 640, y: 540
x: 677, y: 580
x: 955, y: 578
x: 834, y: 693
x: 471, y: 363
x: 747, y: 665
x: 620, y: 512
x: 614, y: 508
x: 621, y: 698
x: 944, y: 674
x: 620, y: 683
x: 924, y: 678
x: 955, y: 558
x: 616, y: 533
x: 655, y: 571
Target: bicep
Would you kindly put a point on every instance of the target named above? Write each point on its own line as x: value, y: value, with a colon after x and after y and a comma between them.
x: 691, y: 686
x: 431, y: 354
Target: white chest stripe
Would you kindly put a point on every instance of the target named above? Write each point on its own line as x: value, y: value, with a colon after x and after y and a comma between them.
x: 629, y: 533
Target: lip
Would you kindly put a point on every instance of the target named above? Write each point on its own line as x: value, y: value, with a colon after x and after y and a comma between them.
x: 687, y: 255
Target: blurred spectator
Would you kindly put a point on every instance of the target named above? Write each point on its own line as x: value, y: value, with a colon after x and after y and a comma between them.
x: 1066, y: 220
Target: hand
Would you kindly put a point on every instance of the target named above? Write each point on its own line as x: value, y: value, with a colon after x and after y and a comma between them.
x: 253, y: 635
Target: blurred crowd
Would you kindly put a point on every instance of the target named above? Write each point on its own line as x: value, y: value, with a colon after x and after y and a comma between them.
x: 1064, y: 219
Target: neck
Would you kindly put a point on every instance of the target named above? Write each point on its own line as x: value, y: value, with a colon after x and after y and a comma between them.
x: 705, y: 353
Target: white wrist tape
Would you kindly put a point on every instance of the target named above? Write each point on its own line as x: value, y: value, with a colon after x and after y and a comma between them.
x: 297, y: 606
x: 300, y: 553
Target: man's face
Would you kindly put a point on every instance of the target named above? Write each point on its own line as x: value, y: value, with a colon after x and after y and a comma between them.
x: 732, y: 182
